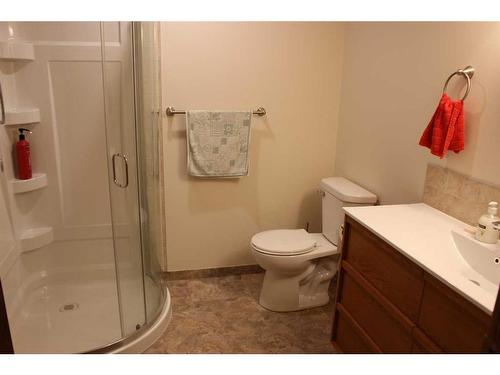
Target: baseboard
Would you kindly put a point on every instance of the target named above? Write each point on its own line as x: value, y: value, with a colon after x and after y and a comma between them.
x: 212, y: 272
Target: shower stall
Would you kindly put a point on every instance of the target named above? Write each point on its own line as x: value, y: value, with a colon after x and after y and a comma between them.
x: 81, y: 242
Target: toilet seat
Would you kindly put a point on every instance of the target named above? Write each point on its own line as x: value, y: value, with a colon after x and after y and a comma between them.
x: 283, y: 242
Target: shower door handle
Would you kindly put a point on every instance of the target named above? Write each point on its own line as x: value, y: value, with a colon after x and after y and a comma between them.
x: 2, y: 109
x: 115, y: 180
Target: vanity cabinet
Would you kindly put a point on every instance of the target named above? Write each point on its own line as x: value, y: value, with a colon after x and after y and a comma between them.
x: 385, y: 303
x: 6, y: 346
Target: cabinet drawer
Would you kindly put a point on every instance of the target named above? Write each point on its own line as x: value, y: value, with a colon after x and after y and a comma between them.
x: 422, y: 344
x: 418, y: 349
x: 395, y: 276
x: 452, y: 322
x: 348, y: 337
x: 385, y: 325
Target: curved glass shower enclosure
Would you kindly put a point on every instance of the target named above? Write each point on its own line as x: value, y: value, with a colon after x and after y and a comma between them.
x: 82, y: 268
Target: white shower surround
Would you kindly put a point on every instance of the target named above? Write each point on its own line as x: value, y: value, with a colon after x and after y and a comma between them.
x: 64, y: 86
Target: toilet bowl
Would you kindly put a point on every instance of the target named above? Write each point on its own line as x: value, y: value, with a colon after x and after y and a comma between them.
x: 300, y: 265
x: 298, y: 273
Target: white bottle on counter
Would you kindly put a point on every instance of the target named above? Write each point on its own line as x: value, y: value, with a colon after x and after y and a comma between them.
x: 486, y: 226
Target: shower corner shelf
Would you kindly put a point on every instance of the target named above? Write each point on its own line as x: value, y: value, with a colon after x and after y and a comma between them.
x: 16, y: 51
x: 35, y: 238
x: 22, y: 116
x: 38, y: 181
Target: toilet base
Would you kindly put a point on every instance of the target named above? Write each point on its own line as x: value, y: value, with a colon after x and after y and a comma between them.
x: 309, y: 289
x: 320, y: 299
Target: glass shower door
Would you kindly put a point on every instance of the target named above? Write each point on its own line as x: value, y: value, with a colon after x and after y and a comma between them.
x: 121, y: 142
x: 148, y: 105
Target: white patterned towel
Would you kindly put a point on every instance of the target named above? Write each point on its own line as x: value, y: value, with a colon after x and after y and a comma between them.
x: 218, y: 143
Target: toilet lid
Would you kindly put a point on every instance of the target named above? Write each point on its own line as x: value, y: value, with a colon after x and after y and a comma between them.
x: 283, y: 242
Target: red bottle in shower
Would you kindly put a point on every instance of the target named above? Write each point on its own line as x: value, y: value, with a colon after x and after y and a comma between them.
x: 23, y: 156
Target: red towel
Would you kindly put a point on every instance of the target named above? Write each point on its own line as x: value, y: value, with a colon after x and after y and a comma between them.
x: 446, y: 129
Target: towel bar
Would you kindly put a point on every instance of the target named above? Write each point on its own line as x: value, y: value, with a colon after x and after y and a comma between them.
x: 467, y: 73
x: 170, y: 111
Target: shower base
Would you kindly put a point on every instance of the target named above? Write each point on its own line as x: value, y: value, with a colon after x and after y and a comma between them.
x: 150, y: 334
x: 67, y: 316
x: 63, y: 308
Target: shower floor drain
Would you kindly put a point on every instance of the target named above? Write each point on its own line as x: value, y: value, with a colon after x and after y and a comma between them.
x: 69, y: 307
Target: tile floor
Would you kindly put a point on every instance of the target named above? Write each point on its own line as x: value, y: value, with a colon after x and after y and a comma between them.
x: 222, y: 315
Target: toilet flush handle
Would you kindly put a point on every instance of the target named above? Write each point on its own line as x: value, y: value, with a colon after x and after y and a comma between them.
x: 321, y: 193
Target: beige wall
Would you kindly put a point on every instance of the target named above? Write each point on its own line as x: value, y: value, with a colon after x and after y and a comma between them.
x: 291, y: 69
x: 392, y: 80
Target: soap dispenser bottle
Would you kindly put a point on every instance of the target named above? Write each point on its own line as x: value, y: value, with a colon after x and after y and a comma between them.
x: 23, y: 156
x: 486, y: 227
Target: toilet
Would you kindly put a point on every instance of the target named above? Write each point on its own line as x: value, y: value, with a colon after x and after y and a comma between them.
x: 300, y: 265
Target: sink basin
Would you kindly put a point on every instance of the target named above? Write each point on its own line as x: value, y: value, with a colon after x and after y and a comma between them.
x: 483, y: 260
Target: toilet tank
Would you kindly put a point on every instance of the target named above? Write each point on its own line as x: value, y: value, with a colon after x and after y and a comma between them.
x: 338, y: 192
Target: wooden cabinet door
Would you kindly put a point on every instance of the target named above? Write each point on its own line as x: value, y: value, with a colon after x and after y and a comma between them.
x: 452, y: 322
x: 492, y: 341
x: 6, y: 346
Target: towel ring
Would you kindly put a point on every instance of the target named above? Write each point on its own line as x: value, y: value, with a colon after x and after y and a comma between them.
x: 467, y: 73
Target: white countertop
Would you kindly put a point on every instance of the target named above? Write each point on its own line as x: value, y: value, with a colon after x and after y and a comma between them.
x: 423, y: 234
